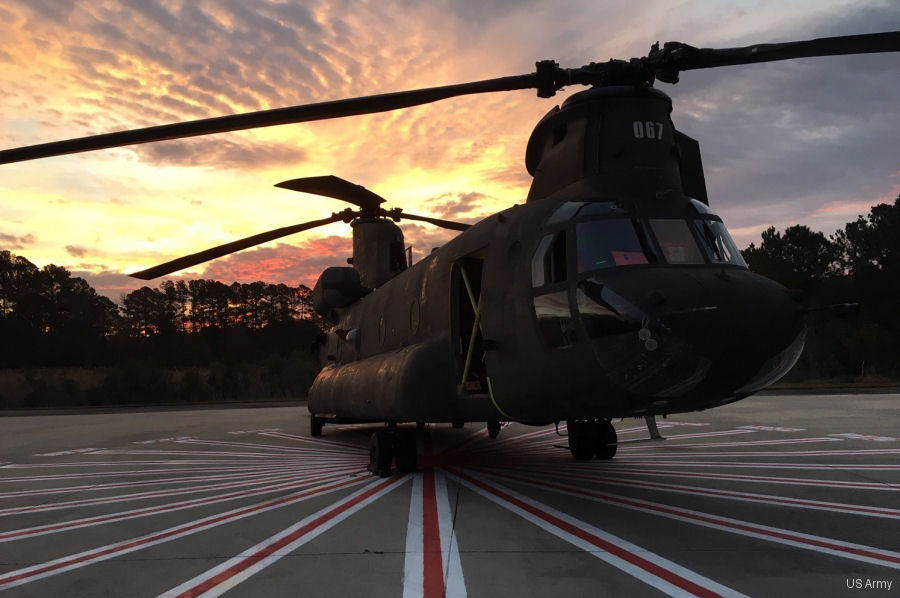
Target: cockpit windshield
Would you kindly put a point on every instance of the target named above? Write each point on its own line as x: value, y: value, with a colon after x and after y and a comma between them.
x: 611, y: 242
x: 609, y: 233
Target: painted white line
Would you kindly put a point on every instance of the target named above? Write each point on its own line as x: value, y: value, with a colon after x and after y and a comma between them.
x: 186, y: 453
x: 107, y: 500
x: 413, y: 565
x: 69, y: 452
x: 232, y: 572
x: 294, y: 484
x: 852, y: 436
x: 722, y: 444
x: 455, y: 584
x: 136, y: 484
x: 243, y: 467
x: 754, y: 497
x: 771, y: 454
x: 771, y: 429
x: 637, y: 462
x: 259, y: 431
x: 755, y: 479
x: 161, y: 440
x: 276, y: 449
x: 319, y: 442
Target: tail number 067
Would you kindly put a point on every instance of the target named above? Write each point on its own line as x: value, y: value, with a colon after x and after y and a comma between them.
x: 649, y: 129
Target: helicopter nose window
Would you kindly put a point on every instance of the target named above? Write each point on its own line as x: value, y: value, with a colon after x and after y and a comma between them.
x: 610, y: 242
x: 555, y: 319
x: 676, y: 241
x: 718, y: 244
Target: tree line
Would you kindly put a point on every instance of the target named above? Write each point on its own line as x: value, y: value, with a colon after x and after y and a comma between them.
x: 181, y: 341
x: 859, y: 263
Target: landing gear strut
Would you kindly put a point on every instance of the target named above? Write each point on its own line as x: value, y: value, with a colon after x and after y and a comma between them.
x: 315, y: 425
x: 389, y: 444
x: 590, y: 438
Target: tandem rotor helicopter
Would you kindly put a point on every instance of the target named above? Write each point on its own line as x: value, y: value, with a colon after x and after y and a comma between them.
x: 613, y: 291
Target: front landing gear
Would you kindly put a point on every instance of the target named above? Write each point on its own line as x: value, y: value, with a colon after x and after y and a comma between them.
x: 315, y: 425
x: 389, y: 444
x: 592, y: 438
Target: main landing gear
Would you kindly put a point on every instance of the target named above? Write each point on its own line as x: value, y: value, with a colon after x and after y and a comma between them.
x: 390, y: 444
x: 592, y: 438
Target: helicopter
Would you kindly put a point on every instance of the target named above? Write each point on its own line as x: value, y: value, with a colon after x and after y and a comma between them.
x: 613, y: 291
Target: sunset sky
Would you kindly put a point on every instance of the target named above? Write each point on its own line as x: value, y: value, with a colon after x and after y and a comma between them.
x: 815, y: 141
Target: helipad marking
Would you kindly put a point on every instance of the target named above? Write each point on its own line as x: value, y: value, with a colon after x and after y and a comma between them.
x: 771, y: 429
x: 25, y: 575
x: 159, y: 440
x: 852, y: 436
x: 859, y: 552
x: 226, y: 576
x: 654, y: 570
x: 69, y: 452
x: 862, y: 510
x: 294, y: 483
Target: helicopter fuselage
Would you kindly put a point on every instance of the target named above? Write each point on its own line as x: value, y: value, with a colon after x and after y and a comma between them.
x: 558, y: 322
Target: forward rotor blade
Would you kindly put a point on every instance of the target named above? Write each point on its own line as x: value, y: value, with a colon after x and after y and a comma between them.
x: 210, y: 254
x: 436, y: 221
x: 278, y: 116
x: 338, y: 188
x: 869, y: 43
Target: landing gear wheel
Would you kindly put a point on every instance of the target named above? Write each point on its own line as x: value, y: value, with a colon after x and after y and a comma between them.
x: 606, y: 439
x: 381, y: 453
x: 315, y: 425
x: 493, y: 429
x: 582, y: 439
x: 407, y: 451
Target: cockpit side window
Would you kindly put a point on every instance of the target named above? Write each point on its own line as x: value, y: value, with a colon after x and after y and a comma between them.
x: 549, y: 263
x: 717, y: 243
x: 676, y: 241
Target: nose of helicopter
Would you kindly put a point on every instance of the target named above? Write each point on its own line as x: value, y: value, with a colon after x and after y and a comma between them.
x: 698, y: 336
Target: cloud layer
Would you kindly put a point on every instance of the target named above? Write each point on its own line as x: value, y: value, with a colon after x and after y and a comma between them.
x: 812, y: 141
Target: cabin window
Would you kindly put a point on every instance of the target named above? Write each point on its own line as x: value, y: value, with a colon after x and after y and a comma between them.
x: 717, y: 243
x: 549, y: 263
x: 676, y: 241
x: 611, y: 242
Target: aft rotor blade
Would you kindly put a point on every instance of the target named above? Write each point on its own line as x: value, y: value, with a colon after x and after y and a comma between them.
x: 338, y: 188
x: 436, y: 221
x: 278, y: 116
x: 827, y: 46
x: 210, y: 254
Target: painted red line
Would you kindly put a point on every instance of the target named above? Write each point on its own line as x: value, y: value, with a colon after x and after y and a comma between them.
x: 652, y: 568
x: 275, y: 546
x: 709, y: 519
x: 433, y: 567
x: 171, y: 532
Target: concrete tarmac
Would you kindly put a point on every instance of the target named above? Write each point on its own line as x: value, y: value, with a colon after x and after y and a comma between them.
x: 774, y: 495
